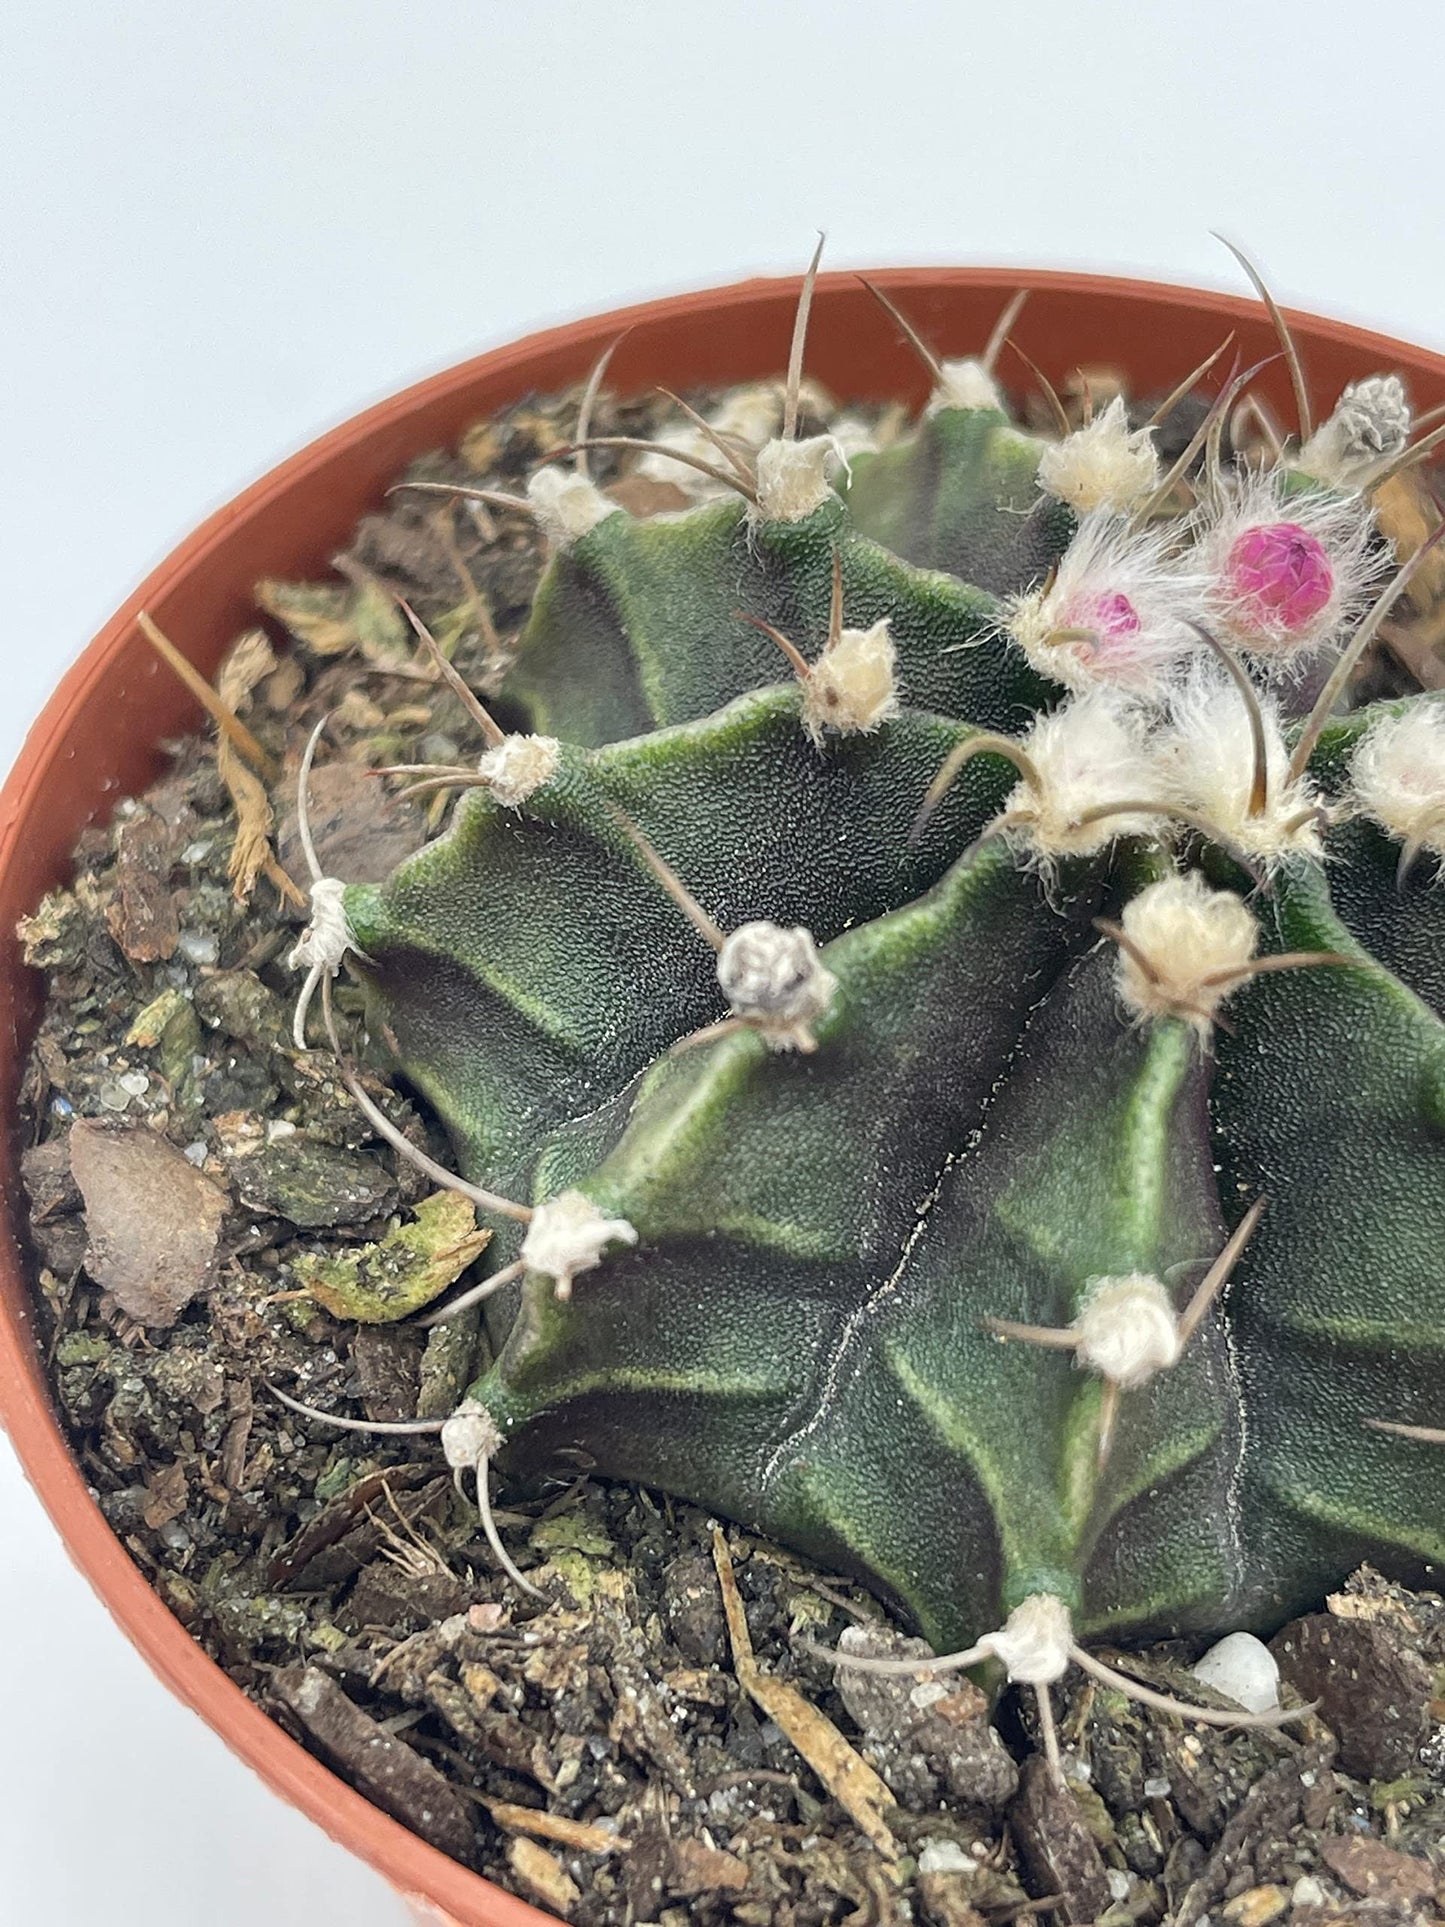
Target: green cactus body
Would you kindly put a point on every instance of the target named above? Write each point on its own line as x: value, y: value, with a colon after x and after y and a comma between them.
x: 983, y: 1128
x: 962, y: 494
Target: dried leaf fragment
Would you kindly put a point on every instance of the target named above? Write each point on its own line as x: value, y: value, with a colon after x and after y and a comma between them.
x: 362, y: 831
x: 542, y: 1875
x: 250, y: 661
x: 142, y: 915
x: 382, y: 1766
x: 848, y: 1777
x: 328, y: 618
x: 1373, y: 1870
x: 694, y: 1869
x: 578, y: 1835
x: 408, y: 1268
x: 153, y: 1220
x: 167, y: 1496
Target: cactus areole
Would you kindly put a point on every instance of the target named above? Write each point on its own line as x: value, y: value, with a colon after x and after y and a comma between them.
x: 940, y: 1000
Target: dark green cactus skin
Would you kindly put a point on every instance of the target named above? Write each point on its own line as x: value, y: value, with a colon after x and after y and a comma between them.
x: 797, y: 1339
x: 960, y: 494
x: 635, y: 627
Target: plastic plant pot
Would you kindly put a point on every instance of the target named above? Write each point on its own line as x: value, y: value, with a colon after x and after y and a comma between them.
x: 98, y: 739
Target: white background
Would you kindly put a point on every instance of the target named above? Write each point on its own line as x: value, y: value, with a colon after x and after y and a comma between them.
x: 226, y: 227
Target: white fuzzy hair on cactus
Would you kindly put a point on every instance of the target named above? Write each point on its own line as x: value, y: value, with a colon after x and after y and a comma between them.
x: 1286, y: 569
x: 1183, y: 942
x: 1398, y: 777
x: 1115, y: 613
x: 1104, y: 465
x: 1083, y: 759
x: 1210, y: 762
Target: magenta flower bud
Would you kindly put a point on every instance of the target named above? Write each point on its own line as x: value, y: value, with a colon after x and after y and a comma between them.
x: 1279, y: 577
x: 1112, y: 615
x: 1110, y: 619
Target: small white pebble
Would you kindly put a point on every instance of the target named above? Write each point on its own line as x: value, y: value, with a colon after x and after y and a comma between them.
x: 1244, y: 1670
x: 1307, y: 1892
x: 945, y: 1856
x: 199, y: 946
x: 928, y: 1693
x: 1118, y: 1883
x: 196, y: 1153
x: 135, y: 1083
x: 278, y: 1128
x: 1156, y: 1789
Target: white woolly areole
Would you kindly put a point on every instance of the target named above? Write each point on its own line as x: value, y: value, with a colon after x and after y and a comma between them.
x: 469, y: 1436
x: 850, y: 687
x: 1127, y: 1330
x: 517, y: 768
x: 568, y: 505
x: 1244, y: 1670
x: 747, y: 418
x: 1034, y: 1641
x: 774, y: 979
x: 1115, y: 612
x: 1207, y: 758
x: 1398, y: 775
x: 1089, y: 754
x: 1287, y: 607
x: 567, y: 1236
x: 1187, y: 932
x: 327, y: 938
x: 1107, y: 465
x: 965, y: 384
x: 793, y: 478
x: 1371, y: 423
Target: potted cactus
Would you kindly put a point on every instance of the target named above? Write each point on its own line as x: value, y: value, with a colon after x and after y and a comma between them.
x: 928, y: 963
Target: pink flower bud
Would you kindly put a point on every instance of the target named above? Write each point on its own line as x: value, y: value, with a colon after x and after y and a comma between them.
x: 1111, y: 615
x: 1280, y: 577
x: 1109, y: 618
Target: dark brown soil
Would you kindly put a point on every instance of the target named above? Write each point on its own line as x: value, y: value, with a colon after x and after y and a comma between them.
x: 597, y: 1753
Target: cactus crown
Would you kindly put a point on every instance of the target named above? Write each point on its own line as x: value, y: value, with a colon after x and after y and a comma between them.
x: 944, y: 1012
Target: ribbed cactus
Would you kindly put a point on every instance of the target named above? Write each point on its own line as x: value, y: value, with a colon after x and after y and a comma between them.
x: 944, y: 1015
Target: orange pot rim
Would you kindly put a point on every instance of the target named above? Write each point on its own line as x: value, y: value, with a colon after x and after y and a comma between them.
x: 96, y: 739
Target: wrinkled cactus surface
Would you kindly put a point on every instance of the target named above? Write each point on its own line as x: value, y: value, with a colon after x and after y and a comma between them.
x: 894, y: 1231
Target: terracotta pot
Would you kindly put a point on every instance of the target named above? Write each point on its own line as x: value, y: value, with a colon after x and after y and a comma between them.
x: 97, y: 740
